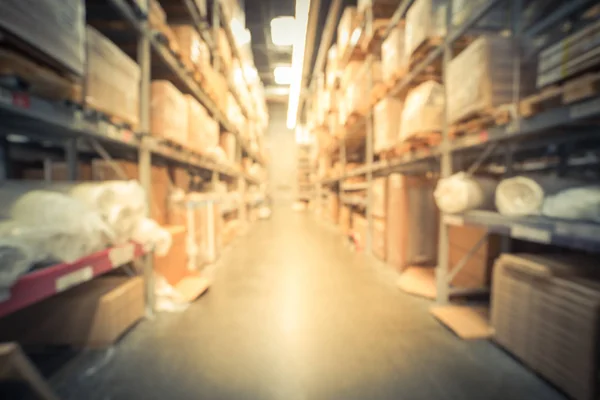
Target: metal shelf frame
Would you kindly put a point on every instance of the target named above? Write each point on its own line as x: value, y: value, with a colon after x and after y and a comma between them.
x: 539, y: 130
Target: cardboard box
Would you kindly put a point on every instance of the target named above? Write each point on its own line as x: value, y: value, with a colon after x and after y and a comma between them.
x: 425, y: 23
x: 345, y: 29
x: 168, y: 113
x: 229, y: 145
x: 477, y: 271
x: 174, y: 266
x: 93, y: 314
x: 379, y: 197
x: 412, y: 221
x: 360, y: 227
x: 194, y: 52
x: 386, y: 124
x: 379, y: 238
x: 345, y: 220
x: 197, y: 119
x: 394, y: 61
x: 112, y: 79
x: 480, y: 78
x: 423, y: 111
x: 161, y: 186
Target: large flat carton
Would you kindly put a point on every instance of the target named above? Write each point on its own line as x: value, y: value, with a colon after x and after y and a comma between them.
x: 480, y: 78
x: 412, y: 221
x: 425, y: 24
x: 476, y: 272
x: 423, y: 112
x: 394, y: 61
x: 56, y: 28
x: 194, y: 52
x: 112, y: 79
x: 345, y: 29
x: 168, y: 113
x: 386, y: 123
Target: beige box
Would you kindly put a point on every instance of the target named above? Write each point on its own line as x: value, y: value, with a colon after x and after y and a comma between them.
x: 345, y: 29
x: 480, y: 78
x: 412, y: 221
x: 423, y: 111
x: 379, y: 238
x: 112, y: 79
x: 358, y: 95
x: 229, y: 145
x: 386, y: 124
x: 194, y: 52
x: 425, y: 23
x: 94, y: 314
x: 394, y: 62
x: 174, y: 265
x: 379, y: 197
x: 197, y: 117
x: 168, y: 113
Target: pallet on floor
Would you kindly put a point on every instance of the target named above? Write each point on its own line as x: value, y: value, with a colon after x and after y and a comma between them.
x: 22, y: 73
x: 476, y: 122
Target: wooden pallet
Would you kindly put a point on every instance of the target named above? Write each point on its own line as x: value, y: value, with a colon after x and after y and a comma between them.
x: 550, y: 97
x: 419, y: 141
x: 19, y: 72
x: 581, y: 88
x: 478, y: 121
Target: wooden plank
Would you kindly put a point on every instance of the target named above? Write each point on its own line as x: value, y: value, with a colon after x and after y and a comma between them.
x: 419, y: 281
x: 469, y: 323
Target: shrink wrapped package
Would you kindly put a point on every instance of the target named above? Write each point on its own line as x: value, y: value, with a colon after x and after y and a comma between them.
x: 194, y: 52
x: 228, y: 144
x: 462, y: 192
x: 576, y: 53
x: 360, y: 227
x: 496, y: 18
x: 345, y: 29
x: 480, y: 78
x: 379, y: 196
x: 57, y: 29
x: 386, y: 123
x: 525, y: 195
x: 358, y: 92
x: 197, y: 116
x: 152, y: 237
x: 578, y: 203
x: 425, y: 22
x: 112, y: 79
x: 168, y: 113
x: 378, y: 235
x: 545, y: 311
x: 412, y: 221
x: 393, y: 56
x: 423, y: 111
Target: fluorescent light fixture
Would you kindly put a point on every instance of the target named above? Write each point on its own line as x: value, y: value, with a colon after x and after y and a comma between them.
x: 302, y: 8
x: 283, y: 31
x: 283, y: 75
x: 240, y: 33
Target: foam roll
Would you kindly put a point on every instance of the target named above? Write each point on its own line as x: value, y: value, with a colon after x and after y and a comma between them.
x: 462, y: 192
x: 577, y: 204
x: 525, y: 195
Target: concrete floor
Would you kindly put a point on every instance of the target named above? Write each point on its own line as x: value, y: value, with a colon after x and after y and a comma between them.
x: 294, y: 314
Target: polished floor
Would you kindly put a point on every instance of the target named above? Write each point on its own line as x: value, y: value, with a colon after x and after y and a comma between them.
x: 293, y: 314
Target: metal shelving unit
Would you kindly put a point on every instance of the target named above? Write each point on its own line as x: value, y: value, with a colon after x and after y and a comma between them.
x: 542, y: 130
x: 68, y: 127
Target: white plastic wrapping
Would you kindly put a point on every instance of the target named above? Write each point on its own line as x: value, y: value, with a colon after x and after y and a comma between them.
x: 525, y: 195
x: 423, y: 110
x: 151, y: 236
x: 462, y: 192
x: 578, y: 203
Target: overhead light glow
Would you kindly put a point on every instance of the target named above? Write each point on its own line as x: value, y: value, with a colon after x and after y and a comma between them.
x: 283, y: 31
x: 283, y: 75
x: 240, y: 33
x: 302, y: 8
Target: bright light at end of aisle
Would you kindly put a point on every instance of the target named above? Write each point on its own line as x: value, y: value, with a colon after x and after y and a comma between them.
x: 283, y: 31
x: 302, y: 7
x: 283, y: 75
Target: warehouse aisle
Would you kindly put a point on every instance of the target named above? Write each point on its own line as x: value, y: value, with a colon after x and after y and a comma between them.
x: 293, y: 314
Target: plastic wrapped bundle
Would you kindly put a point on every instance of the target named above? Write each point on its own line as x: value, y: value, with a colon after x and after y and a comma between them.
x: 462, y: 192
x: 578, y: 203
x: 151, y: 236
x: 168, y: 112
x: 525, y: 195
x: 423, y: 111
x: 393, y: 56
x: 425, y: 21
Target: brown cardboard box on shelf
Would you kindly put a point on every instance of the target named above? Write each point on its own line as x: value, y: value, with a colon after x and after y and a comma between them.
x: 425, y: 24
x: 423, y: 112
x: 345, y: 220
x: 112, y: 79
x: 360, y: 227
x: 103, y: 170
x: 168, y: 113
x: 379, y: 238
x: 174, y: 266
x: 194, y: 52
x: 197, y: 118
x: 228, y: 144
x: 480, y: 78
x: 345, y: 29
x: 379, y: 197
x: 58, y: 172
x: 181, y: 178
x: 386, y: 124
x: 477, y: 271
x: 412, y: 221
x: 160, y: 193
x: 394, y: 61
x: 94, y: 314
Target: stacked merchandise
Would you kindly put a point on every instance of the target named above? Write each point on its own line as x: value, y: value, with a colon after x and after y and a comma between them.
x: 305, y: 185
x: 425, y: 25
x: 386, y: 122
x: 423, y: 112
x: 345, y: 30
x: 545, y: 312
x: 393, y: 56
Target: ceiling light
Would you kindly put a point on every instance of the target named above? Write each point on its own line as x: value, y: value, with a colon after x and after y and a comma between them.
x: 302, y: 8
x: 283, y: 30
x: 283, y: 75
